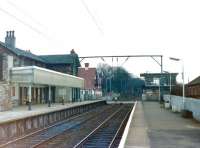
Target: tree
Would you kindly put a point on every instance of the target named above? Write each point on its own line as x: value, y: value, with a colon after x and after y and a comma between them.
x: 118, y: 80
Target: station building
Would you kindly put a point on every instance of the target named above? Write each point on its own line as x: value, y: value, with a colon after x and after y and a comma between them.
x: 158, y: 84
x: 26, y: 78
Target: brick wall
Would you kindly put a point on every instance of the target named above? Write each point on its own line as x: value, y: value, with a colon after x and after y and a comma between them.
x: 193, y: 91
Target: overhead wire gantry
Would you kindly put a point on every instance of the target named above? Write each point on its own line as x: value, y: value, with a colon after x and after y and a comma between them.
x: 159, y: 62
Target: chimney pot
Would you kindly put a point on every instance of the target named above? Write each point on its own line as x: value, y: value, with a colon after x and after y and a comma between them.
x: 7, y: 33
x: 87, y: 65
x: 10, y: 39
x: 13, y: 33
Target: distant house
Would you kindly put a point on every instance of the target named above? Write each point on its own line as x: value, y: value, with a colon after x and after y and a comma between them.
x: 92, y: 87
x: 193, y: 88
x: 29, y: 78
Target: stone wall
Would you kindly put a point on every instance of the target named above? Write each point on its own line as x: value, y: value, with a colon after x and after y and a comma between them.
x: 5, y: 96
x: 5, y: 66
x: 5, y: 101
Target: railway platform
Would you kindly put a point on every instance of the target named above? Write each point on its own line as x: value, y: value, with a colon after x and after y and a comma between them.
x: 155, y: 127
x: 19, y: 121
x: 148, y: 126
x: 101, y: 125
x: 21, y: 112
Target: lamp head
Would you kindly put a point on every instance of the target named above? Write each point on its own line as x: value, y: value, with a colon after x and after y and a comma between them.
x: 174, y: 59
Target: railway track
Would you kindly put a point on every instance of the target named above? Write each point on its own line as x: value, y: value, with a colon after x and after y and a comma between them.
x: 69, y: 132
x: 47, y: 133
x: 108, y: 134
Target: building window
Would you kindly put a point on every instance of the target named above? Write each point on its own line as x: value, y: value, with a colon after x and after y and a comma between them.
x: 13, y: 91
x: 15, y: 62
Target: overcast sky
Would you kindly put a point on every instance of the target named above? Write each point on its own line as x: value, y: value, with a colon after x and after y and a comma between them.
x: 109, y: 27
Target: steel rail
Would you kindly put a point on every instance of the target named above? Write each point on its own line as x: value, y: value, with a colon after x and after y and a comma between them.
x: 44, y: 129
x: 59, y: 138
x: 103, y: 123
x: 120, y: 127
x: 58, y: 134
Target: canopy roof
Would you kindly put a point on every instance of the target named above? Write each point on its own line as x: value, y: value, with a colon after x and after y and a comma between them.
x: 37, y: 75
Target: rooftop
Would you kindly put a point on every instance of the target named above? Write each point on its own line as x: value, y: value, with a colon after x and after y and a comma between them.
x: 20, y: 52
x: 195, y: 81
x: 38, y: 75
x: 49, y: 59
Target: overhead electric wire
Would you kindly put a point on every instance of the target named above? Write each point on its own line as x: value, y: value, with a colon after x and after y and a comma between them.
x: 24, y: 23
x: 102, y: 59
x: 31, y: 27
x: 125, y: 61
x: 25, y: 13
x: 92, y: 16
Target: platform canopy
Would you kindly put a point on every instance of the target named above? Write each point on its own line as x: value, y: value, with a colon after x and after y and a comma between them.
x: 38, y: 75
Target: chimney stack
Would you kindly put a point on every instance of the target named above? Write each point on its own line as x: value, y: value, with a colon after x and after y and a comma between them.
x: 72, y: 51
x: 86, y: 66
x: 10, y: 39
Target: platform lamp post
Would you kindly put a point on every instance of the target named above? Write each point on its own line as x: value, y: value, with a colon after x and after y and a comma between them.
x: 170, y: 84
x: 170, y: 81
x: 159, y: 90
x: 110, y: 83
x: 176, y: 59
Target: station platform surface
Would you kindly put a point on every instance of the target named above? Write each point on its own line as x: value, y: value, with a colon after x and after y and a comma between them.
x: 156, y: 127
x: 23, y: 112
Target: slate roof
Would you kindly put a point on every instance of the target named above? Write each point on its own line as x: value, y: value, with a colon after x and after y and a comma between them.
x: 57, y: 59
x: 195, y: 81
x: 61, y: 59
x: 48, y: 59
x: 20, y: 52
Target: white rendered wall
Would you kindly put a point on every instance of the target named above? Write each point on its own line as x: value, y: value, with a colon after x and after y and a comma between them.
x: 37, y: 75
x: 189, y: 104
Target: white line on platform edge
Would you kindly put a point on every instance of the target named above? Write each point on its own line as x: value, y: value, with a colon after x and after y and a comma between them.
x: 125, y: 134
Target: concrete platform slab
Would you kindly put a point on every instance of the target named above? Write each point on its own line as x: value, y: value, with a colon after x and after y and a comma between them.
x: 156, y: 127
x: 22, y: 111
x: 137, y: 135
x: 169, y: 130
